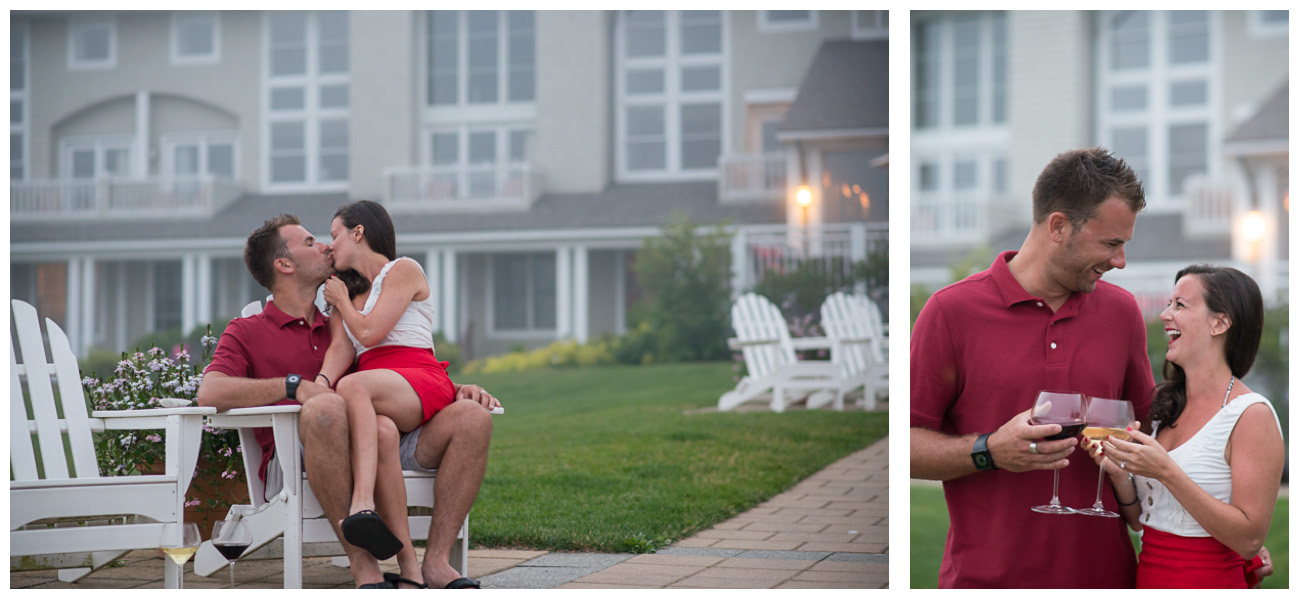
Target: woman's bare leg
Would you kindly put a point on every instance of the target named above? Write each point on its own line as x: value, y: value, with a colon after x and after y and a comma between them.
x: 368, y: 394
x: 390, y: 495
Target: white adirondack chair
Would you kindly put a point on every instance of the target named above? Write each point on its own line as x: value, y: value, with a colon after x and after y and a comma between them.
x: 78, y: 520
x: 764, y: 341
x: 857, y: 339
x: 295, y: 515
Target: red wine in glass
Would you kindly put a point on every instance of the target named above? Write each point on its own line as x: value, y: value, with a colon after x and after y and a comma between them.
x: 1067, y: 410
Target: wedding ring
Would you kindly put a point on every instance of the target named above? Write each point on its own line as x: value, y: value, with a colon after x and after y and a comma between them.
x: 1121, y: 465
x: 1033, y: 447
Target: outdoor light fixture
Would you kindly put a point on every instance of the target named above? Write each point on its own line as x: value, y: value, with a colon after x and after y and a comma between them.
x: 803, y: 195
x: 1254, y: 226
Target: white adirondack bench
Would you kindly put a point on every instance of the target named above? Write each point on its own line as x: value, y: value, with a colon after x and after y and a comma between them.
x: 77, y: 520
x: 857, y: 340
x: 295, y: 515
x: 763, y: 339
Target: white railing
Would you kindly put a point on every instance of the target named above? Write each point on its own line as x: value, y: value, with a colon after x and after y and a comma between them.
x: 751, y: 177
x: 511, y: 187
x: 963, y: 219
x: 104, y: 198
x: 1211, y: 208
x: 832, y: 249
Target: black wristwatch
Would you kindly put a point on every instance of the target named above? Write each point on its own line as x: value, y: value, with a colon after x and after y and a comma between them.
x: 291, y: 386
x: 980, y: 454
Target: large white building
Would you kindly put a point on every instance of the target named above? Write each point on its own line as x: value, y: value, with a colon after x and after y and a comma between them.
x: 523, y: 155
x: 1196, y: 101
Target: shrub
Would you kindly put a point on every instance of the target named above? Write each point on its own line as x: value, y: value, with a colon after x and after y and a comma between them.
x: 687, y: 278
x: 560, y: 354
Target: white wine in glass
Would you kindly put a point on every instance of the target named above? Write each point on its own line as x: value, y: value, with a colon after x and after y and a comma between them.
x: 1106, y: 417
x: 179, y: 542
x: 1064, y: 409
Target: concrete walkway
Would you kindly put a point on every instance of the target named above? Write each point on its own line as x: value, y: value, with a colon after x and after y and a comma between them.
x: 829, y: 531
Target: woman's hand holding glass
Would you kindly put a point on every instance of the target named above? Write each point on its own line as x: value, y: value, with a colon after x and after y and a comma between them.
x: 1140, y: 455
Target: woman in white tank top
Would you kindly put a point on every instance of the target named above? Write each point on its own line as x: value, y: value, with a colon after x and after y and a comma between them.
x: 1202, y: 488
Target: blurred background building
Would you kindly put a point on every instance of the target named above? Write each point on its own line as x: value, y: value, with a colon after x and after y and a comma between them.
x: 1196, y: 101
x: 523, y: 155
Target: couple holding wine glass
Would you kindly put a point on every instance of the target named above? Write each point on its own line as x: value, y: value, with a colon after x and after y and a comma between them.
x: 1201, y: 487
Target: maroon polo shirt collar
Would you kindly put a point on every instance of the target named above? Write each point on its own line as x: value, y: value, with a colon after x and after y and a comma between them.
x: 279, y: 317
x: 1013, y: 293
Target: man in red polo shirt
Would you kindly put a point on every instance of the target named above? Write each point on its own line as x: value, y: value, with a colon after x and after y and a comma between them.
x: 982, y: 348
x: 274, y: 357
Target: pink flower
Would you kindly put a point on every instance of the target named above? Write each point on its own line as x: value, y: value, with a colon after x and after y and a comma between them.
x: 191, y: 503
x: 153, y: 437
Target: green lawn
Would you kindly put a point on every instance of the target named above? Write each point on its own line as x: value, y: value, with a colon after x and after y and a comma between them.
x: 614, y: 459
x: 930, y: 529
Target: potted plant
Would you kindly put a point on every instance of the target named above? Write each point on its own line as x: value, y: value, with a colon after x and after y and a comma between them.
x: 140, y: 381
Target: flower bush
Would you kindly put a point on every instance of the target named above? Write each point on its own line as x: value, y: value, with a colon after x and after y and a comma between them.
x: 139, y: 381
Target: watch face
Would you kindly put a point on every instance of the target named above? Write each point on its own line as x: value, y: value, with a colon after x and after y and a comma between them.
x: 295, y: 378
x: 982, y: 460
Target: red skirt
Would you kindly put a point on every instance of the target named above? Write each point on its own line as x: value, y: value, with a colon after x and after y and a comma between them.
x: 1172, y: 561
x: 420, y: 368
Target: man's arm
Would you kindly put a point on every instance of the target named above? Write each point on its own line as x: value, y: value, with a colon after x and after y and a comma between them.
x: 944, y: 457
x: 225, y: 392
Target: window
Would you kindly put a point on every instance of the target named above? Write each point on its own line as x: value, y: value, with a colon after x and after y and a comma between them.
x: 477, y: 161
x: 960, y: 71
x: 770, y: 21
x: 870, y: 24
x: 198, y: 154
x: 92, y: 43
x: 308, y: 102
x: 481, y: 58
x: 670, y: 74
x: 1154, y: 106
x: 17, y: 101
x: 1269, y: 23
x: 94, y: 158
x: 167, y: 286
x: 196, y: 37
x: 523, y: 292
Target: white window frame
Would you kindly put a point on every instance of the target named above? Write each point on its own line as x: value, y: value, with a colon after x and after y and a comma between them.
x: 204, y: 140
x: 879, y: 31
x: 1261, y: 29
x: 530, y: 331
x: 462, y: 109
x: 212, y: 57
x: 672, y: 99
x: 1159, y: 116
x: 986, y: 89
x: 100, y: 145
x: 766, y: 26
x: 78, y: 24
x: 311, y: 115
x: 19, y: 96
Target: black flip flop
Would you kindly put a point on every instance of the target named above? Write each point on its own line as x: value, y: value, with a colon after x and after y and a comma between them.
x: 396, y: 579
x: 463, y: 583
x: 367, y: 530
x: 379, y: 585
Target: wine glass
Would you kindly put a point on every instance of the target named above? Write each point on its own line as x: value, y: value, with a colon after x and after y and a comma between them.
x: 231, y: 538
x: 1064, y: 409
x: 179, y: 542
x: 1106, y: 417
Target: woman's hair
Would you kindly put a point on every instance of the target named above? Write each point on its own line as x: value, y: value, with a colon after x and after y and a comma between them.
x: 377, y: 231
x: 1236, y: 295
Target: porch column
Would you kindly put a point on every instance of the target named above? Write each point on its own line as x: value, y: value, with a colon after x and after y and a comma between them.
x: 140, y: 153
x: 449, y: 295
x: 203, y: 274
x: 73, y: 309
x: 120, y: 274
x: 88, y: 305
x: 858, y: 251
x: 433, y: 272
x: 580, y: 294
x: 563, y: 292
x: 620, y: 292
x: 189, y: 299
x: 739, y: 262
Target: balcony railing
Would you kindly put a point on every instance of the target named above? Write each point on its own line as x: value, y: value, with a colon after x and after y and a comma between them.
x: 751, y: 177
x: 961, y: 219
x: 106, y: 198
x: 1211, y: 208
x: 458, y: 189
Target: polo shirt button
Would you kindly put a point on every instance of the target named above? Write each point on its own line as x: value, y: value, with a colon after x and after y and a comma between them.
x: 1040, y: 305
x: 1053, y: 345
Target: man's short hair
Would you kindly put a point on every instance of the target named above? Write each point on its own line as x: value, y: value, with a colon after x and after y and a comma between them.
x: 265, y: 245
x: 1077, y: 182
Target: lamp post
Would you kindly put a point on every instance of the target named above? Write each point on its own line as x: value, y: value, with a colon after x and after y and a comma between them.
x: 803, y: 197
